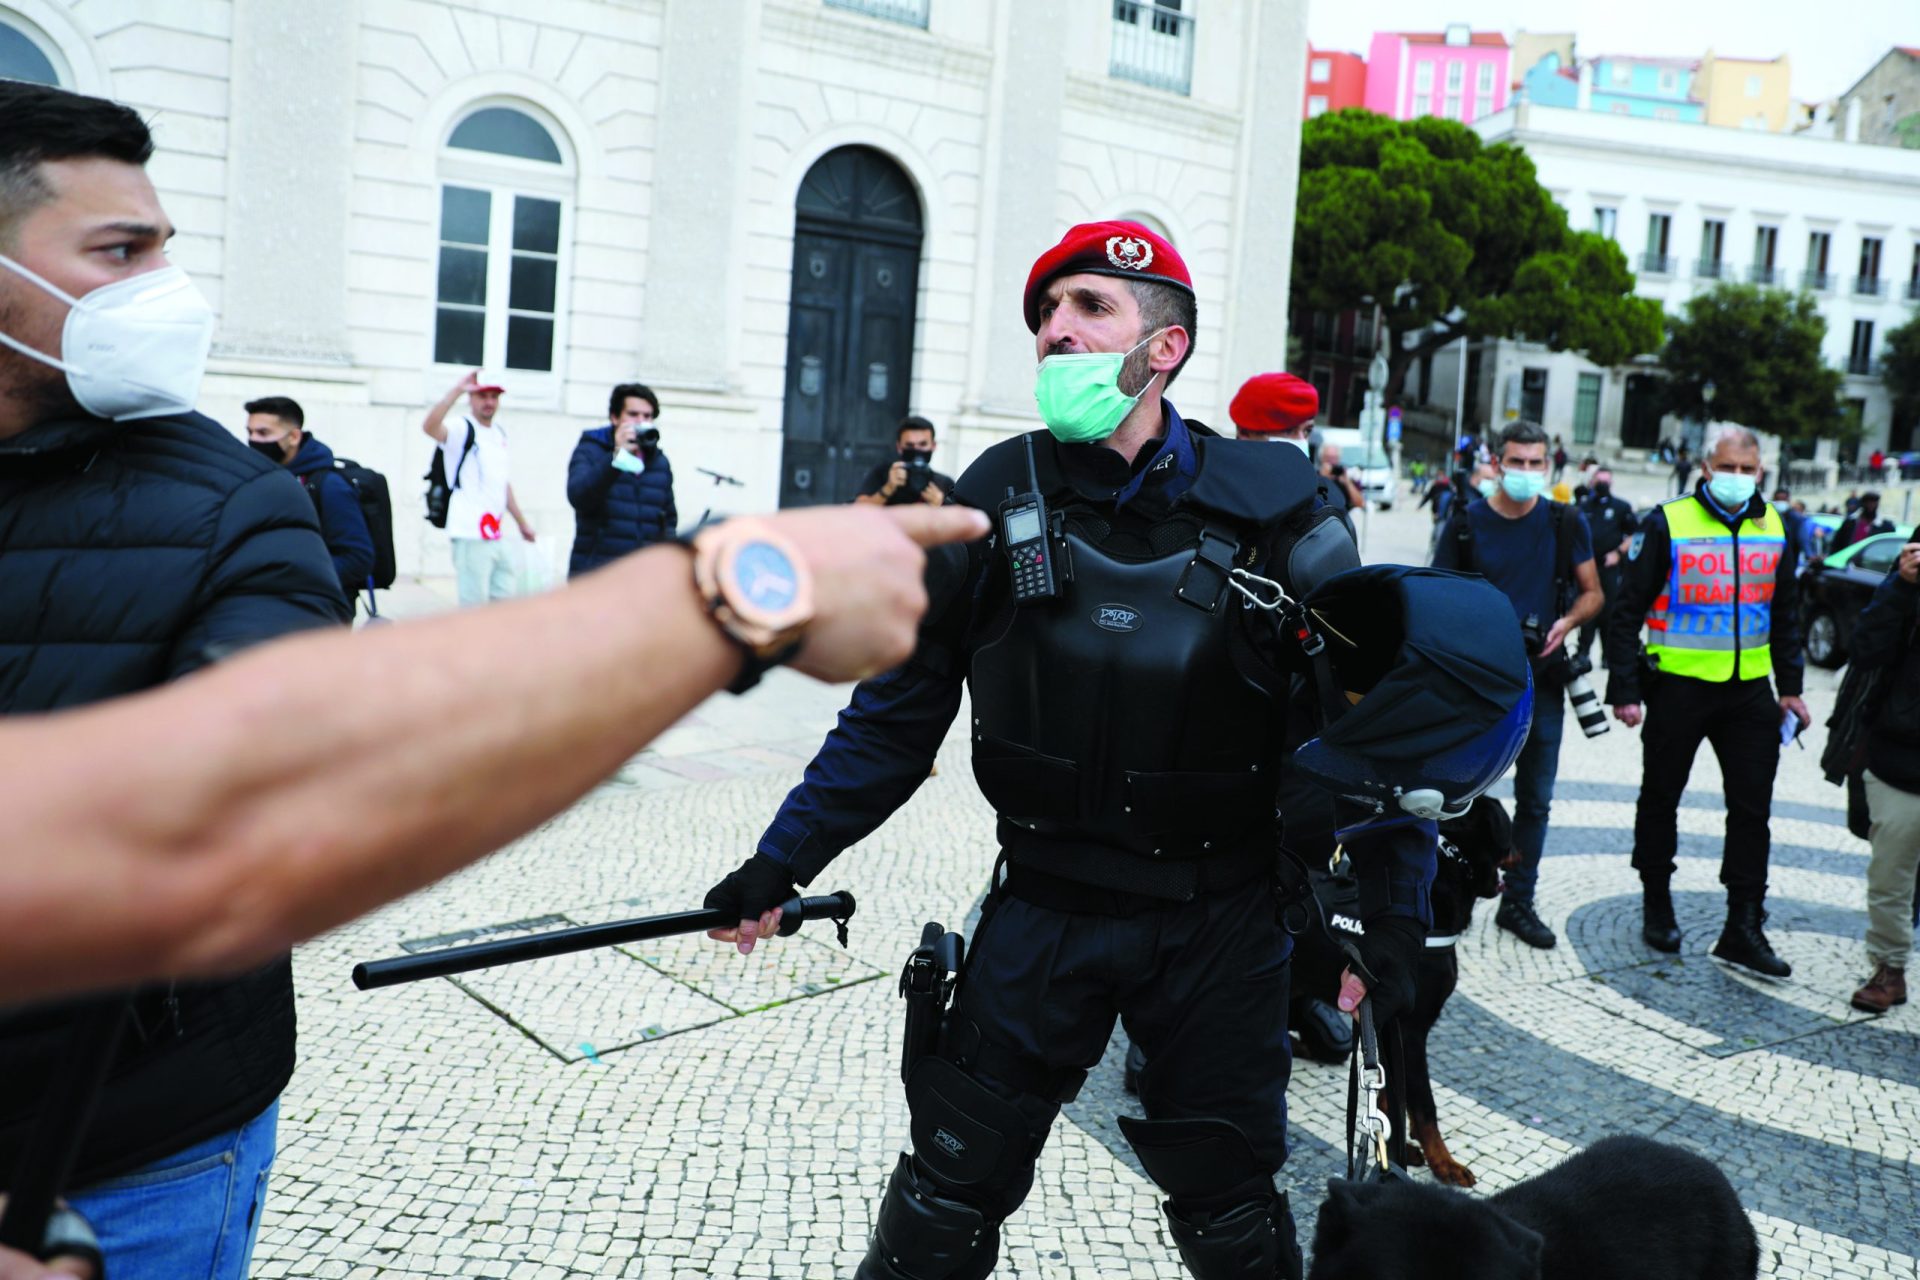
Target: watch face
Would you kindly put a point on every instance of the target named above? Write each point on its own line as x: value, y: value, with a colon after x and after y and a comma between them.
x: 765, y: 578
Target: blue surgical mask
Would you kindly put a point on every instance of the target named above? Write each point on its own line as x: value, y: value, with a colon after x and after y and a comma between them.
x: 1488, y: 487
x: 1731, y: 490
x: 1523, y: 486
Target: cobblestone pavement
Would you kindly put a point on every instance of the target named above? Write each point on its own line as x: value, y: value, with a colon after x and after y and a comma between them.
x: 671, y: 1109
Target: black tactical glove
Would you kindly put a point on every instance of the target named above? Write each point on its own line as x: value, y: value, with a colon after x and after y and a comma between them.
x: 760, y: 885
x: 1389, y: 954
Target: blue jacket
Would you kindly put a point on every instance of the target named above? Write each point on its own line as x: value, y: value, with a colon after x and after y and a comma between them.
x: 343, y: 526
x: 133, y: 553
x: 884, y: 744
x: 616, y: 511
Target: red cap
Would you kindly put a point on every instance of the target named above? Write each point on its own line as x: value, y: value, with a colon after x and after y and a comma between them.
x: 485, y: 385
x: 1271, y: 402
x: 1124, y: 249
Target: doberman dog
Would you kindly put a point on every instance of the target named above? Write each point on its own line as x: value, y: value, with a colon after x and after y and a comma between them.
x: 1472, y: 848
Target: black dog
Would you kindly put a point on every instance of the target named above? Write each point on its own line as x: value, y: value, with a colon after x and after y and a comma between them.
x: 1471, y: 850
x: 1624, y: 1207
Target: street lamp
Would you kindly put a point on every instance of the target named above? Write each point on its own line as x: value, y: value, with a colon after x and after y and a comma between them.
x: 1707, y: 394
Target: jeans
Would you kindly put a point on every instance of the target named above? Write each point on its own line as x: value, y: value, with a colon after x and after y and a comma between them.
x: 484, y: 570
x: 192, y: 1215
x: 1533, y: 778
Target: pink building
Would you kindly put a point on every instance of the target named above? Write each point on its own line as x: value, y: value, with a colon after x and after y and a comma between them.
x: 1459, y: 74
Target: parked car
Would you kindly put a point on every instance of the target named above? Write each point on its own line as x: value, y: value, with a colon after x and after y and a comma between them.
x: 1836, y: 588
x: 1369, y: 465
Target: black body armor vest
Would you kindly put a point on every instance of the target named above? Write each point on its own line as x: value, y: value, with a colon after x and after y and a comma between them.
x: 1124, y: 733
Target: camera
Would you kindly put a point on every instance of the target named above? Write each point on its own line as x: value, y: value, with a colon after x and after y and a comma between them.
x: 1561, y: 669
x: 919, y: 470
x: 650, y: 438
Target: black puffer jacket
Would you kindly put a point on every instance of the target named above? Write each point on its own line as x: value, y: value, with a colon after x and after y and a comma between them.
x: 1888, y: 636
x: 616, y: 511
x: 131, y: 554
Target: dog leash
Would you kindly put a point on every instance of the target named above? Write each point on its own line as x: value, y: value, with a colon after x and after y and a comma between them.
x: 1366, y: 1080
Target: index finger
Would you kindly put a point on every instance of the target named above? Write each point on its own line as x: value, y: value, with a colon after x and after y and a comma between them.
x: 931, y: 526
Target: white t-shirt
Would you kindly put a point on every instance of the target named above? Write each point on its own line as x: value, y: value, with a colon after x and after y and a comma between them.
x: 478, y: 506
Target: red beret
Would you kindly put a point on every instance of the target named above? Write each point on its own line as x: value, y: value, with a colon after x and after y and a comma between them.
x: 1270, y: 402
x: 1124, y: 249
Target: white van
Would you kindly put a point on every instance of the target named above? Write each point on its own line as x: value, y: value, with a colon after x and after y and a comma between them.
x: 1370, y: 467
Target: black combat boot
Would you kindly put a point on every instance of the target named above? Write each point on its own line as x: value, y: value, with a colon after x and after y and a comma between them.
x: 1520, y: 920
x: 1742, y: 944
x: 1658, y: 929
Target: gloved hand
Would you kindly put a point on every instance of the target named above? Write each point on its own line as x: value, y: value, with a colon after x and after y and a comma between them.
x: 754, y: 894
x: 1389, y: 953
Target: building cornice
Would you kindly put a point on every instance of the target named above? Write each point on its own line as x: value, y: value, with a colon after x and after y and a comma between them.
x: 1690, y: 158
x: 1124, y: 100
x: 816, y: 28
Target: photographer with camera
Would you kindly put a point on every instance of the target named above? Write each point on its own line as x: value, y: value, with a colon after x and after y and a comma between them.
x: 620, y: 483
x: 1712, y: 575
x: 1540, y: 554
x: 909, y: 477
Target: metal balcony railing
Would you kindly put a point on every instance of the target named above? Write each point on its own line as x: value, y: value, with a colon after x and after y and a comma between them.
x: 1656, y: 264
x: 1152, y: 46
x: 911, y: 12
x: 1817, y: 281
x: 1709, y: 269
x: 1869, y: 286
x: 1865, y: 366
x: 1913, y: 290
x: 1758, y: 274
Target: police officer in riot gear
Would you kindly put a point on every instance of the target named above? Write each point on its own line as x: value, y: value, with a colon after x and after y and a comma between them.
x: 1128, y: 706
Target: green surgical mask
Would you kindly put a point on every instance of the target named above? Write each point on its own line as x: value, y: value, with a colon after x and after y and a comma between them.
x: 1488, y: 488
x: 1079, y: 394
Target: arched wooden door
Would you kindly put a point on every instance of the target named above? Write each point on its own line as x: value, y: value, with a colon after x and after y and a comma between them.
x: 856, y: 268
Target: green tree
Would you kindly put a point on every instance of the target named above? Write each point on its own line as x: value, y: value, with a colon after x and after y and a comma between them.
x: 1900, y: 369
x: 1452, y: 237
x: 1761, y: 350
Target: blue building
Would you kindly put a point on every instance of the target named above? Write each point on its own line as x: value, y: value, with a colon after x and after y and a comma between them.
x: 1651, y: 88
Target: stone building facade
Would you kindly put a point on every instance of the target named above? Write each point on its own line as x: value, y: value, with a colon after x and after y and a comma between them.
x: 795, y: 219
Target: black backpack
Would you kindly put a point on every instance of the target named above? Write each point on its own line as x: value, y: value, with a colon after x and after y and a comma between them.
x: 439, y: 488
x: 376, y: 505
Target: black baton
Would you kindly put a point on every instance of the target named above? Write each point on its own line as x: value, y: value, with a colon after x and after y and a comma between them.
x: 794, y: 912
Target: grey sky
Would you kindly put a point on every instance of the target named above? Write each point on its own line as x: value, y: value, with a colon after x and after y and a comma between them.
x: 1830, y: 47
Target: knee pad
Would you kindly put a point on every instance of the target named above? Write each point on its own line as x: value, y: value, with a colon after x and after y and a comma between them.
x: 1225, y: 1215
x: 966, y: 1135
x: 924, y: 1234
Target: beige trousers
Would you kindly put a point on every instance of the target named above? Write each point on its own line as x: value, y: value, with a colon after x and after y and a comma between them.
x: 1895, y: 832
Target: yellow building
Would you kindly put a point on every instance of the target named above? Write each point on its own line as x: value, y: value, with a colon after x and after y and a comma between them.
x: 1746, y: 93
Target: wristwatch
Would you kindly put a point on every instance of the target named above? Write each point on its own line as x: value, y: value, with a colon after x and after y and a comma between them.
x: 758, y: 590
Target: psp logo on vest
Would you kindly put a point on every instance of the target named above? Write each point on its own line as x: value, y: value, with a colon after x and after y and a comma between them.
x: 1116, y: 617
x: 950, y: 1144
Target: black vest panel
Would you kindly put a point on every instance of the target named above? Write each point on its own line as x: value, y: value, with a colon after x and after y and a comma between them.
x: 1116, y: 715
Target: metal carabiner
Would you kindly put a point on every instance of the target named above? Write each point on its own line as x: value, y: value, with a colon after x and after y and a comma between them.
x: 1254, y: 597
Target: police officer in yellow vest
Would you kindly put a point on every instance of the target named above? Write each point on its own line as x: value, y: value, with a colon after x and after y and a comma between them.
x: 1712, y: 576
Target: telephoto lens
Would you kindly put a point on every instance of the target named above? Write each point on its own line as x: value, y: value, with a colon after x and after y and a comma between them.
x: 1586, y: 706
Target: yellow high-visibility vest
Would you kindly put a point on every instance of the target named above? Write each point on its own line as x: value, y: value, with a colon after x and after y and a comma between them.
x: 1715, y: 618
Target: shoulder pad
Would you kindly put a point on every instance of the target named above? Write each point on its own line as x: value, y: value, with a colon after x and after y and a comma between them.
x: 984, y: 484
x: 1255, y: 481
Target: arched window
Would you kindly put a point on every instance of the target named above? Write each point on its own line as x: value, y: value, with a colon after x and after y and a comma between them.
x: 504, y: 205
x: 23, y: 56
x: 1150, y: 222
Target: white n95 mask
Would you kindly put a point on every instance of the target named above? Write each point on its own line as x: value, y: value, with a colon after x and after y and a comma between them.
x: 136, y: 348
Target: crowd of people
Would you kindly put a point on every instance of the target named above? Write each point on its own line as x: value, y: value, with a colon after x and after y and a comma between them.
x: 140, y: 544
x: 1712, y: 576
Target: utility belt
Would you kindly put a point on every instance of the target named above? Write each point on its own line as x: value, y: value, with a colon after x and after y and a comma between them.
x: 1093, y: 879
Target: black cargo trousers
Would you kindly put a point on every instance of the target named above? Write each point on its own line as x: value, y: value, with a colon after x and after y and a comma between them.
x: 1741, y: 719
x: 1200, y: 986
